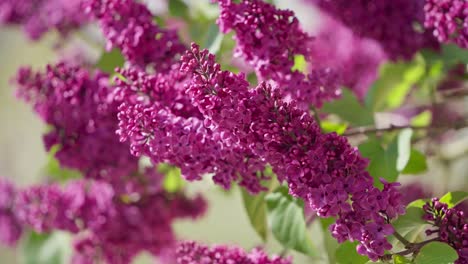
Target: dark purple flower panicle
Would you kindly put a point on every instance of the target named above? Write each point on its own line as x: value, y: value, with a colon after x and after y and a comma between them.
x: 79, y: 108
x: 355, y: 59
x: 323, y: 169
x: 129, y: 26
x: 159, y: 120
x: 191, y: 252
x: 450, y: 225
x: 39, y: 16
x: 97, y: 214
x: 397, y: 25
x: 269, y: 39
x: 10, y: 226
x: 448, y: 20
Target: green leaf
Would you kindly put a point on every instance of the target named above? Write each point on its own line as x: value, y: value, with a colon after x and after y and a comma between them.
x: 411, y: 224
x: 255, y: 207
x: 404, y: 148
x: 347, y: 254
x: 173, y: 181
x: 436, y: 253
x: 350, y: 109
x: 417, y: 163
x: 214, y: 39
x: 382, y: 162
x: 397, y: 259
x: 178, y: 8
x: 110, y: 60
x: 454, y: 198
x: 52, y: 248
x: 54, y: 170
x: 423, y: 119
x: 329, y: 127
x: 450, y: 55
x: 394, y: 84
x: 300, y: 63
x: 286, y: 219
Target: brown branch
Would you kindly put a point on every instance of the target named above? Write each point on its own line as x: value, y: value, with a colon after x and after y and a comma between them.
x: 411, y: 249
x: 372, y: 130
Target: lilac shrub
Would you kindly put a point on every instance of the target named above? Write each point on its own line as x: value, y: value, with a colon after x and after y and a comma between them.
x: 174, y: 105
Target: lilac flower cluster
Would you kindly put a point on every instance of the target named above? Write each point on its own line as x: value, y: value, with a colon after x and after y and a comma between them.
x: 39, y: 16
x: 159, y: 121
x: 323, y: 169
x: 191, y: 252
x: 448, y: 19
x: 451, y: 226
x: 10, y: 226
x: 394, y: 24
x: 355, y: 59
x: 97, y: 213
x: 129, y: 26
x: 268, y: 39
x: 79, y: 108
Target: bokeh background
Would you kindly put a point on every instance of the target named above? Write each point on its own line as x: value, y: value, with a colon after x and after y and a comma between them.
x: 22, y: 155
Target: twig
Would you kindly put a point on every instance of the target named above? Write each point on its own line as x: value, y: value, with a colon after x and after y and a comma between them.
x: 412, y: 248
x: 371, y: 130
x: 403, y: 240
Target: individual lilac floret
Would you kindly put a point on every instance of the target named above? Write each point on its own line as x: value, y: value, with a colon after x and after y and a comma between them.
x: 268, y: 39
x: 397, y: 25
x: 10, y: 226
x: 39, y: 16
x: 129, y: 26
x: 355, y: 59
x: 191, y: 252
x: 448, y: 19
x: 79, y: 107
x: 450, y: 225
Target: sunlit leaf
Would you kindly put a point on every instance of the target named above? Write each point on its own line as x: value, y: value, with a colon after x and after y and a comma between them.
x: 286, y: 219
x: 347, y: 254
x: 436, y: 253
x: 454, y: 198
x: 417, y: 163
x: 110, y: 60
x: 350, y: 109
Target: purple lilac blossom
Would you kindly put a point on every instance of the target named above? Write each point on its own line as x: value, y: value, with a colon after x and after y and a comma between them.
x: 191, y: 252
x: 129, y: 26
x: 39, y: 16
x: 355, y: 59
x: 268, y: 39
x: 10, y: 226
x: 323, y: 169
x: 448, y: 20
x: 451, y: 227
x: 397, y: 25
x: 158, y: 119
x: 97, y: 214
x: 79, y: 107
